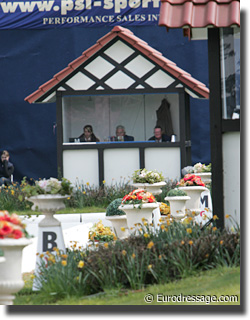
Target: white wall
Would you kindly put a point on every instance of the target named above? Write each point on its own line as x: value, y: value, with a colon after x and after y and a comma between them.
x: 231, y: 176
x: 81, y: 165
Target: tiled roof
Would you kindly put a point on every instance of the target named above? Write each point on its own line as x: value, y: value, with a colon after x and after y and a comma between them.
x: 155, y: 56
x: 199, y: 13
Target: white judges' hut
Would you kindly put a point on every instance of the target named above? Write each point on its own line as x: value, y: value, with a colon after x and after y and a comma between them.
x: 121, y: 80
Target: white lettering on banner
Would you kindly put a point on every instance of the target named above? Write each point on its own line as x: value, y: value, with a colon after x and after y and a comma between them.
x: 78, y: 5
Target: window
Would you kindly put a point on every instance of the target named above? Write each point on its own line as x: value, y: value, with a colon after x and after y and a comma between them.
x: 230, y: 72
x: 137, y: 113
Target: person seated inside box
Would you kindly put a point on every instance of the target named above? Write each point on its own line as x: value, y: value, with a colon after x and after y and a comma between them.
x: 121, y: 134
x: 6, y: 169
x: 88, y: 135
x: 159, y: 136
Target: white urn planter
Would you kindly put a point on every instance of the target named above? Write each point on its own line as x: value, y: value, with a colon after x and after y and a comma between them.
x: 194, y: 192
x: 206, y: 177
x: 177, y: 206
x: 135, y: 214
x: 154, y: 188
x: 50, y: 233
x: 11, y: 269
x: 119, y: 222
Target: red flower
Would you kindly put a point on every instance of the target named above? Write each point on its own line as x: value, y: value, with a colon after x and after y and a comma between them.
x: 6, y: 229
x: 17, y: 234
x: 189, y: 177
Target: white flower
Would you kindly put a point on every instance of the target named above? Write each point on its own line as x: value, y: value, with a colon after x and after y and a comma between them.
x: 198, y: 167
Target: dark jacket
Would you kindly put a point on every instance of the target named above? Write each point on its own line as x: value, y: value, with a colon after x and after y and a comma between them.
x: 128, y: 138
x: 93, y: 138
x: 164, y: 138
x: 6, y: 169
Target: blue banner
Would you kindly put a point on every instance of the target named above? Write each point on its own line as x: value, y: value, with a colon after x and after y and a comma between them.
x: 85, y: 13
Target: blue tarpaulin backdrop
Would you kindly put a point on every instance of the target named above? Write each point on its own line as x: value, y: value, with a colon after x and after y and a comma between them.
x: 29, y: 58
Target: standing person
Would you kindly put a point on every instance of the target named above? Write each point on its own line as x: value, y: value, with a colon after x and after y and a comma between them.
x: 121, y: 134
x: 159, y: 136
x: 88, y: 135
x: 6, y: 169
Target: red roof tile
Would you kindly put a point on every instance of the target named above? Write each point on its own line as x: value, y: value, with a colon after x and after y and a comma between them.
x: 138, y: 44
x: 199, y: 13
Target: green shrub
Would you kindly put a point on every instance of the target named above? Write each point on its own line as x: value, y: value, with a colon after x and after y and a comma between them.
x: 175, y: 251
x: 176, y: 193
x: 112, y: 208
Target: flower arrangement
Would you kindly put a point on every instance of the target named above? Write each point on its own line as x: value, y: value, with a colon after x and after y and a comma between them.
x: 102, y: 233
x: 145, y: 176
x: 164, y: 208
x: 49, y: 186
x: 190, y: 180
x: 197, y: 168
x: 138, y: 196
x: 11, y: 226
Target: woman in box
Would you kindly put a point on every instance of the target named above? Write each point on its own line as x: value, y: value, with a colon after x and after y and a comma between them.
x: 88, y: 135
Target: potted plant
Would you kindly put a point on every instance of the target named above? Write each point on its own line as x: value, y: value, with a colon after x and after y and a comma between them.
x: 13, y: 238
x: 138, y: 205
x: 151, y: 181
x: 201, y: 170
x: 177, y: 199
x: 101, y: 233
x: 48, y: 196
x: 118, y: 218
x: 193, y: 186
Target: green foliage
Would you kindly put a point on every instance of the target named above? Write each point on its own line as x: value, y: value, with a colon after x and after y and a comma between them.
x: 13, y: 199
x: 112, y: 208
x: 176, y: 251
x: 86, y: 195
x: 176, y: 193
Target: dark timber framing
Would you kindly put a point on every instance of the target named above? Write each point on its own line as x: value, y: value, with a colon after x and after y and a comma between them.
x: 184, y: 144
x: 218, y: 126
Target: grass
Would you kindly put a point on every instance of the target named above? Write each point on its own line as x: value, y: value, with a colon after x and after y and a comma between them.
x: 64, y: 211
x: 222, y: 281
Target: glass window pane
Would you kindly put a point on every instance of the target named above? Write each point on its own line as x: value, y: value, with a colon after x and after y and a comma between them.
x: 230, y: 72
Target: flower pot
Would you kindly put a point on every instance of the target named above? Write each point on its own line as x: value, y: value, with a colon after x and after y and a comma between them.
x: 206, y: 177
x: 154, y: 188
x: 177, y: 206
x: 119, y: 222
x: 10, y: 270
x: 194, y: 192
x: 48, y: 202
x: 135, y: 214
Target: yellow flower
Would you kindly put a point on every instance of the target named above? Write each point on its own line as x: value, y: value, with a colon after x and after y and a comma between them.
x: 191, y: 242
x: 133, y: 255
x: 124, y: 252
x: 122, y: 229
x: 227, y: 216
x: 214, y: 229
x: 106, y: 245
x: 149, y: 266
x: 12, y: 192
x: 221, y: 242
x: 84, y: 192
x: 64, y: 256
x: 80, y: 264
x: 146, y: 235
x: 150, y: 245
x: 182, y: 242
x: 189, y: 230
x: 160, y: 257
x: 104, y: 182
x: 64, y: 263
x: 87, y: 183
x: 215, y: 217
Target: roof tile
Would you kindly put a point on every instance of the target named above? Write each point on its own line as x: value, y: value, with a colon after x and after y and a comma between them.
x: 199, y: 13
x: 138, y: 44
